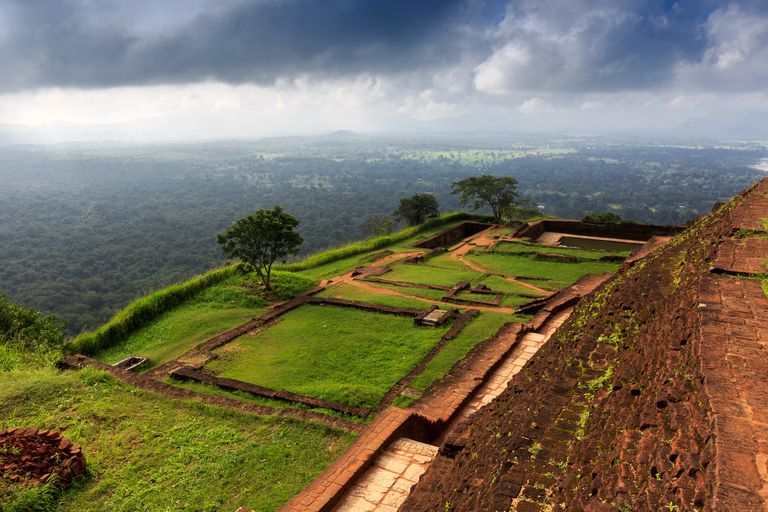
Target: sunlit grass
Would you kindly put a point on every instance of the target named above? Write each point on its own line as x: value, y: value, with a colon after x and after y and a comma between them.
x: 343, y: 355
x: 445, y: 260
x: 561, y: 274
x: 352, y: 292
x: 579, y: 253
x: 210, y: 312
x: 174, y: 333
x: 500, y: 284
x: 429, y: 275
x: 147, y: 452
x: 483, y: 326
x: 426, y: 294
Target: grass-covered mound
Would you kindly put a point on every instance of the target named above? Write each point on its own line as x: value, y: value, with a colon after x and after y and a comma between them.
x: 147, y: 452
x: 231, y: 302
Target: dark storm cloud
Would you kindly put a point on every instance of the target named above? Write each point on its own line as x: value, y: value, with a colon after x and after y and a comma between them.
x: 522, y: 45
x: 258, y: 41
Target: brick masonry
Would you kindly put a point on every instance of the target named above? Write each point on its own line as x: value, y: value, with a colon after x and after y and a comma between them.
x: 652, y: 396
x: 426, y: 419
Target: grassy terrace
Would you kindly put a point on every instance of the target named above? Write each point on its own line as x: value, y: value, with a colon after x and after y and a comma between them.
x: 343, y: 355
x: 560, y: 274
x: 148, y: 452
x: 208, y: 313
x: 529, y: 247
x: 422, y: 274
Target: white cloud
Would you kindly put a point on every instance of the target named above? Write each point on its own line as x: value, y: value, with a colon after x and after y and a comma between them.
x: 534, y: 105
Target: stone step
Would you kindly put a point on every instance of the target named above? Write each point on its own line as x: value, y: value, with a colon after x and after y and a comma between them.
x: 386, y: 485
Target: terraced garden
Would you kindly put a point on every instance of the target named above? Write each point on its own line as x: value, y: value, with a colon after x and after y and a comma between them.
x: 342, y: 344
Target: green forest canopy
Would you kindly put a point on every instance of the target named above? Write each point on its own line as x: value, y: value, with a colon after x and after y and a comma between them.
x: 85, y: 229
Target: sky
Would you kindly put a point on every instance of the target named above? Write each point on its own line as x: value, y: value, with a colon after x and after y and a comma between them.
x: 273, y: 67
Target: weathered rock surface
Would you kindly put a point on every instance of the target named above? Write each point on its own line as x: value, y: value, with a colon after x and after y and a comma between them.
x: 32, y: 455
x: 652, y: 396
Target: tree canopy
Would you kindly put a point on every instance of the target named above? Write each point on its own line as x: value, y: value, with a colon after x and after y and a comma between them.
x: 25, y: 328
x: 603, y: 217
x: 487, y: 190
x: 521, y: 210
x: 261, y: 239
x: 377, y: 225
x: 416, y: 209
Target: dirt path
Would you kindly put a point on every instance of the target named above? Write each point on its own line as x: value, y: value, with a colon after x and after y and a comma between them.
x: 348, y: 279
x: 487, y: 236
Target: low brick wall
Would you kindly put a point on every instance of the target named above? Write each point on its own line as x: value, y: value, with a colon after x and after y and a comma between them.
x: 624, y: 230
x: 185, y: 373
x: 457, y: 232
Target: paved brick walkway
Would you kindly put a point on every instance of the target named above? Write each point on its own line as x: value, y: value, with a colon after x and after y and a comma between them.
x: 742, y: 256
x: 386, y: 485
x: 522, y: 353
x: 734, y: 364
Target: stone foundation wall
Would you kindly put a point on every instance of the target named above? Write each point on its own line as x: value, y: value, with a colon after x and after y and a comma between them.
x: 624, y: 230
x: 457, y: 232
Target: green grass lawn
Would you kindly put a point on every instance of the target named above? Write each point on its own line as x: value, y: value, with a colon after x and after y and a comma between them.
x: 524, y: 247
x: 338, y: 267
x: 174, y: 333
x: 426, y: 294
x: 210, y: 312
x: 500, y: 284
x: 429, y: 275
x: 338, y: 354
x: 561, y: 274
x: 351, y: 292
x: 445, y: 260
x: 147, y: 452
x: 484, y: 325
x: 243, y: 396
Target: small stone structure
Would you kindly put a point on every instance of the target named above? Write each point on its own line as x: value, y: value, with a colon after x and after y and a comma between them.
x: 32, y: 455
x: 623, y: 230
x: 132, y: 363
x: 457, y: 232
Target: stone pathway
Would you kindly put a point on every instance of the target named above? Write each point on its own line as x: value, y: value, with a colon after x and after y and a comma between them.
x: 386, y: 485
x: 525, y: 350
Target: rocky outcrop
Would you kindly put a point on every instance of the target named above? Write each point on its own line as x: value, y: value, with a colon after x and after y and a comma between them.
x: 650, y: 397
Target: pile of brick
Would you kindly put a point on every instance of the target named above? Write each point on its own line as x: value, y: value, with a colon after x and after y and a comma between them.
x: 32, y: 455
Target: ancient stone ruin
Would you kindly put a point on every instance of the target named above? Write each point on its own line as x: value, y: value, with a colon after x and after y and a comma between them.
x: 32, y: 455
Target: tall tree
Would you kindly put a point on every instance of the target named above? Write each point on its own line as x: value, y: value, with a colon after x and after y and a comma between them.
x: 261, y: 239
x: 377, y: 225
x: 416, y: 209
x: 522, y: 209
x: 487, y: 190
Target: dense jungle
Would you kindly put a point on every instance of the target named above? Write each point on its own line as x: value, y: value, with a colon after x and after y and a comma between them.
x: 87, y: 228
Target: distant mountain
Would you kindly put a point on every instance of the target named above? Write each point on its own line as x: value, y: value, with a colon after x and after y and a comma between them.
x: 726, y: 125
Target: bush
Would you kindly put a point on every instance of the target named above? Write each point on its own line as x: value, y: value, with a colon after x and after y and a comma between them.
x: 143, y: 310
x: 372, y: 244
x: 285, y: 286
